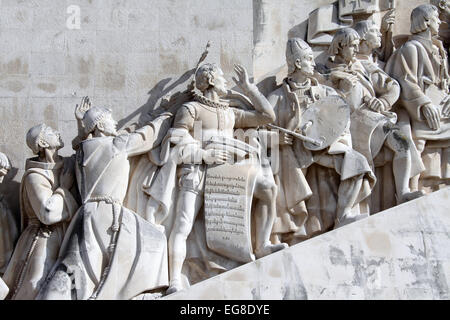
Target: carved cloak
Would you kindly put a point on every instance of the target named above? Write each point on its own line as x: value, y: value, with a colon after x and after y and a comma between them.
x: 8, y: 235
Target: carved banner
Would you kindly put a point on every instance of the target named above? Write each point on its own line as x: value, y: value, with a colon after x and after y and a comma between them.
x: 227, y: 207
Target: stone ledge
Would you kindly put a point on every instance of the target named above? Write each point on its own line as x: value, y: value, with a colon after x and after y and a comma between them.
x: 400, y: 253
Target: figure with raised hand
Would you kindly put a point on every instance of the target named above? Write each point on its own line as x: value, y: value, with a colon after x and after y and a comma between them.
x: 211, y: 114
x: 109, y: 252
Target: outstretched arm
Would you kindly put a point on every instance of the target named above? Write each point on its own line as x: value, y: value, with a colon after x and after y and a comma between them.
x: 80, y: 110
x: 147, y: 137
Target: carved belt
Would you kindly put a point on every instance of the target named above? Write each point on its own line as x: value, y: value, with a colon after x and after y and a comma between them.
x: 115, y: 228
x: 107, y: 199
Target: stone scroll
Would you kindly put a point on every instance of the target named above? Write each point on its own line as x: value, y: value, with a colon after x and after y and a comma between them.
x: 227, y: 207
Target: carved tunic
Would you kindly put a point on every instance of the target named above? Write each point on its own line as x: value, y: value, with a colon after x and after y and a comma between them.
x: 46, y: 209
x: 8, y: 234
x: 216, y: 119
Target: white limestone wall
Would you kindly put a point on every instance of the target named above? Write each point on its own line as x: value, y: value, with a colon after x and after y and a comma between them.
x: 401, y: 253
x: 126, y: 55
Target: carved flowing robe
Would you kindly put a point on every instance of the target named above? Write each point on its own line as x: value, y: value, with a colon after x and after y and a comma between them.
x: 110, y: 252
x: 421, y: 68
x: 8, y: 234
x: 3, y: 289
x: 369, y: 128
x: 293, y: 189
x: 46, y: 209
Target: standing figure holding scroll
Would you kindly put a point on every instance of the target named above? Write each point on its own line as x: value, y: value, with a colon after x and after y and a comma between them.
x: 290, y: 102
x: 421, y: 68
x: 216, y: 119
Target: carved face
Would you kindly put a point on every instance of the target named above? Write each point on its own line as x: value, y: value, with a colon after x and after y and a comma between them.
x: 373, y: 37
x: 349, y: 52
x: 219, y: 83
x: 108, y: 126
x: 306, y: 63
x: 434, y: 24
x: 52, y: 138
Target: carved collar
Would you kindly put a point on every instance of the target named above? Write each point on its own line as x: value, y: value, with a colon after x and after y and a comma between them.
x: 209, y: 102
x: 299, y: 86
x: 34, y: 163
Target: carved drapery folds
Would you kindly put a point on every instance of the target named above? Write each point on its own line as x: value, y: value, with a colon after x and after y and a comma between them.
x: 217, y: 177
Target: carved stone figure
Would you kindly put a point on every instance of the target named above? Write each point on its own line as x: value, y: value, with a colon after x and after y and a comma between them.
x: 46, y: 206
x: 297, y: 93
x: 421, y: 68
x: 8, y: 225
x: 216, y: 119
x: 371, y: 94
x: 8, y: 228
x: 444, y: 15
x: 109, y: 252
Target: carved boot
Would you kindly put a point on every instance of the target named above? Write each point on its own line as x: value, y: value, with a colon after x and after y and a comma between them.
x: 408, y: 196
x: 269, y: 248
x: 175, y: 286
x: 347, y: 219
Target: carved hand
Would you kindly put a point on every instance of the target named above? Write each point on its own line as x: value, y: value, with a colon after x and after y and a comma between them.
x: 376, y: 105
x: 215, y: 156
x: 285, y: 139
x: 346, y: 81
x: 243, y: 82
x: 66, y: 178
x: 388, y: 20
x: 431, y: 114
x: 81, y: 109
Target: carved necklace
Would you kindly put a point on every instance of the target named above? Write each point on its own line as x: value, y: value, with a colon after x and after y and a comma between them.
x: 209, y: 102
x: 300, y: 86
x: 302, y: 90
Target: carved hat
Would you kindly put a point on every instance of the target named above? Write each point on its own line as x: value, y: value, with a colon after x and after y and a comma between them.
x: 34, y: 136
x: 420, y: 17
x: 296, y: 48
x: 94, y: 116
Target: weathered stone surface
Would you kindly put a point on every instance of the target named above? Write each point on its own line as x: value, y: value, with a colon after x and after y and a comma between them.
x: 400, y: 253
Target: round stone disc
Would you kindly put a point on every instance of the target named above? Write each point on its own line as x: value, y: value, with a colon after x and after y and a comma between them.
x: 329, y: 117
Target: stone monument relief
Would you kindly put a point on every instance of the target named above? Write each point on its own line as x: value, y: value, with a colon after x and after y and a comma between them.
x: 219, y: 167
